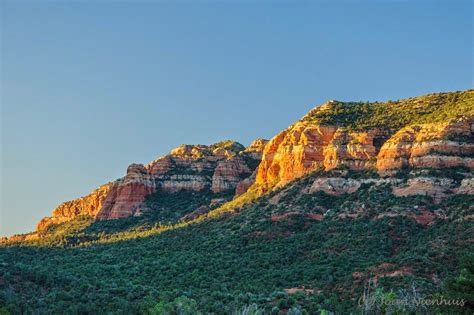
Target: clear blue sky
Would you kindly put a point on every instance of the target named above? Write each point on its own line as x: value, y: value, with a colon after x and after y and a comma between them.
x: 90, y: 87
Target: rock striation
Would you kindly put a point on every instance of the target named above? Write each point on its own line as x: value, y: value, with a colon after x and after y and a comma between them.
x: 126, y: 194
x: 88, y: 205
x: 216, y: 169
x: 431, y: 132
x: 441, y: 145
x: 307, y: 146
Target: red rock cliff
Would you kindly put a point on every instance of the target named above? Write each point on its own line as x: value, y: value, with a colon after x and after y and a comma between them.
x: 441, y: 145
x: 217, y: 168
x: 87, y: 205
x: 307, y: 146
x: 431, y: 131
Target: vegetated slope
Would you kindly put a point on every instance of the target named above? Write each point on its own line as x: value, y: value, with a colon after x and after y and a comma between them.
x: 432, y: 131
x: 332, y: 245
x: 207, y: 175
x: 352, y: 198
x: 394, y: 115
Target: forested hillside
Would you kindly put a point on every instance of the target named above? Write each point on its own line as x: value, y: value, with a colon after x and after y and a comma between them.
x: 356, y: 202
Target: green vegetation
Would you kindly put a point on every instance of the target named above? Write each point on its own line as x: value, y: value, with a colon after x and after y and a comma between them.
x: 393, y: 115
x: 462, y: 285
x: 244, y: 259
x: 230, y: 145
x: 171, y: 207
x: 293, y: 250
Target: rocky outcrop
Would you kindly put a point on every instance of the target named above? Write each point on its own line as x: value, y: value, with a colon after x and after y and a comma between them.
x: 442, y: 145
x: 19, y: 238
x: 354, y: 150
x: 438, y: 188
x: 255, y: 149
x: 228, y: 174
x: 217, y: 168
x: 383, y: 137
x: 126, y: 194
x: 294, y: 152
x: 307, y: 146
x: 466, y: 187
x: 88, y: 205
x: 335, y: 186
x: 339, y: 185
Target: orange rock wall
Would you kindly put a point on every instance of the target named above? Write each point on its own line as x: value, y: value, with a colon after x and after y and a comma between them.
x: 188, y: 167
x: 305, y: 147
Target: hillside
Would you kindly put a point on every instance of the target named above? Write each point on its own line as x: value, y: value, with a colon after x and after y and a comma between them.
x: 354, y: 198
x: 204, y: 176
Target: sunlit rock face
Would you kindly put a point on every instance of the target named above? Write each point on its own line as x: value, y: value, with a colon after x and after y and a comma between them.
x: 255, y: 149
x: 293, y: 152
x: 440, y: 145
x: 88, y: 205
x: 307, y: 146
x: 217, y: 168
x: 384, y: 138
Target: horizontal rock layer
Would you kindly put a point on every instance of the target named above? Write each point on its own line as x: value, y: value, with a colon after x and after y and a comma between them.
x: 305, y: 147
x: 217, y: 168
x: 436, y: 187
x: 88, y: 205
x: 335, y: 135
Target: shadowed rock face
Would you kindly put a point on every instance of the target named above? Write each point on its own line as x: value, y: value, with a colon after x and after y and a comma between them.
x: 126, y: 194
x: 228, y: 174
x: 209, y: 169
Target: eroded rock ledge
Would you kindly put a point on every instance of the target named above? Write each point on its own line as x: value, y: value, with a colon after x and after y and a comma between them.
x: 305, y: 147
x: 217, y: 168
x: 308, y: 145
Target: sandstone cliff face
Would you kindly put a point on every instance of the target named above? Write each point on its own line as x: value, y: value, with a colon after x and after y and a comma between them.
x: 218, y: 168
x: 384, y: 137
x: 295, y: 151
x: 307, y: 146
x: 228, y: 174
x: 438, y: 188
x: 441, y: 145
x: 255, y: 149
x: 126, y: 194
x: 354, y: 150
x: 87, y: 205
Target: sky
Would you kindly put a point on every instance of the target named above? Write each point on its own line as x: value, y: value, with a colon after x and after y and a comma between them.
x: 89, y: 87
